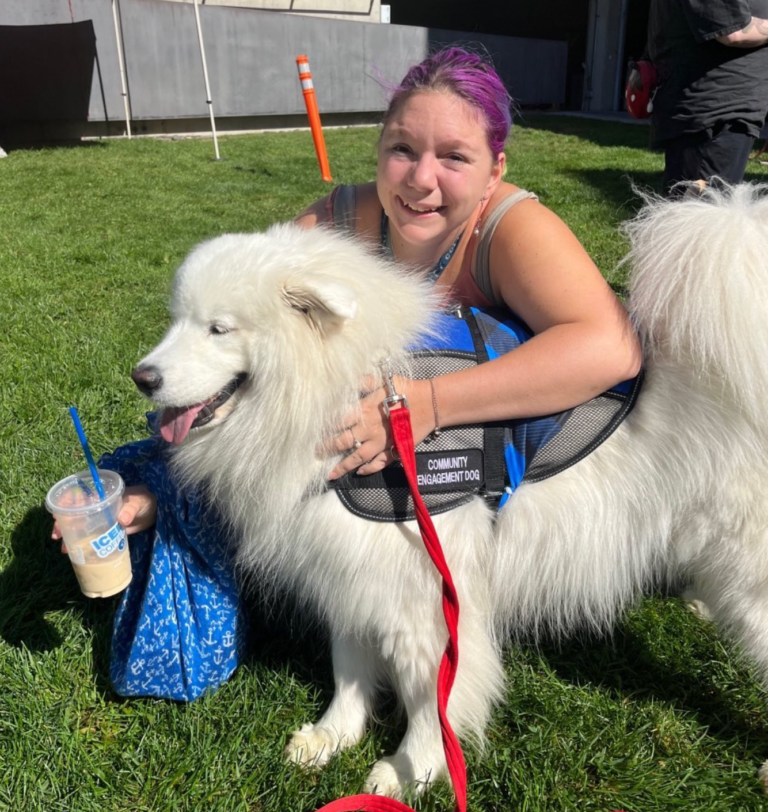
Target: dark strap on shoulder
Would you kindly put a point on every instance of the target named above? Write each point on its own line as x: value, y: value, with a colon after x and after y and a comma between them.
x: 344, y: 203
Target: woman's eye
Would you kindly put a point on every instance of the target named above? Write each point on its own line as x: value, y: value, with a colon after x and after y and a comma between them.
x: 217, y: 330
x: 456, y: 158
x: 402, y: 149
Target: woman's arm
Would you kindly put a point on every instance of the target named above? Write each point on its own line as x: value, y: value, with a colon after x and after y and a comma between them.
x: 584, y: 342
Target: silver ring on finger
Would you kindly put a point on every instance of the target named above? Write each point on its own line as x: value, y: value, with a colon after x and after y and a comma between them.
x: 395, y: 453
x: 356, y: 442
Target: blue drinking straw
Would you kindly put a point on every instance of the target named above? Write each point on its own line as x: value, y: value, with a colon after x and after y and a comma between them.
x: 84, y: 488
x: 87, y: 451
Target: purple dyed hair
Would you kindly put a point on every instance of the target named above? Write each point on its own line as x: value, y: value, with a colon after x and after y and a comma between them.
x: 470, y: 77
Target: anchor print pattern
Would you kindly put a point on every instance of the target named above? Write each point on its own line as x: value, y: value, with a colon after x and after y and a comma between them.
x: 179, y: 629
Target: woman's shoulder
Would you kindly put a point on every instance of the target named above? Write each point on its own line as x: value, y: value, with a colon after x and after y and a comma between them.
x: 529, y: 245
x: 368, y: 213
x: 507, y: 197
x: 509, y: 211
x: 515, y: 214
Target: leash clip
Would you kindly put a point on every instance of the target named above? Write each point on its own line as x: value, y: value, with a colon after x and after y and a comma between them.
x: 393, y: 399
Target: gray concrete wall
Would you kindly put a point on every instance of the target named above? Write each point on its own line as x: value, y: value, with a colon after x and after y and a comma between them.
x: 360, y: 10
x: 251, y: 59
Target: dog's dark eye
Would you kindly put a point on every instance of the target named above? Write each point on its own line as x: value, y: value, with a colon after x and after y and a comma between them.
x: 217, y: 330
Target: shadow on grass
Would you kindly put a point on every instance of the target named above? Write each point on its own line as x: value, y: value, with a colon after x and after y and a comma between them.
x: 664, y: 655
x: 282, y: 635
x: 40, y: 146
x: 285, y: 637
x: 39, y: 580
x: 617, y: 187
x: 661, y: 655
x: 598, y: 131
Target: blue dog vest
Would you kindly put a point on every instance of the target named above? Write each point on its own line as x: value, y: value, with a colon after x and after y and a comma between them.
x: 491, y: 459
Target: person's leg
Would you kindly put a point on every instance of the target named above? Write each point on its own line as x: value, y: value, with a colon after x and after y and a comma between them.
x: 725, y: 156
x: 705, y: 155
x: 682, y: 159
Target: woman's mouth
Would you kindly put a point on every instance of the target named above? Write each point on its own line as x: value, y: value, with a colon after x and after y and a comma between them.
x: 419, y: 208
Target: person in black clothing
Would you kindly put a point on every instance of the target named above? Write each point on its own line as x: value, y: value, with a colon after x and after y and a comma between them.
x: 712, y: 98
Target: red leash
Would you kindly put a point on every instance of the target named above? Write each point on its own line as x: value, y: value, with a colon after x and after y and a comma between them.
x: 400, y: 422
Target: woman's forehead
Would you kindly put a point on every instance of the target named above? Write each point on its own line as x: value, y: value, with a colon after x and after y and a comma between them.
x: 438, y: 114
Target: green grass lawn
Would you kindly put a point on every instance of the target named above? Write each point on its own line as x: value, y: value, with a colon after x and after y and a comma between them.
x: 660, y: 717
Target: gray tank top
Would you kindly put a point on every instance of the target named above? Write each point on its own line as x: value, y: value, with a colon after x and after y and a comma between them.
x: 344, y: 214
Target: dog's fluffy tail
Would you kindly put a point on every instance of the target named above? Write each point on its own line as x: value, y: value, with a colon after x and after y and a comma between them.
x: 699, y: 282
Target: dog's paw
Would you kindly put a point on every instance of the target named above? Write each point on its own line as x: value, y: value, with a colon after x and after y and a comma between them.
x: 312, y: 746
x: 394, y: 777
x: 695, y: 605
x: 762, y: 775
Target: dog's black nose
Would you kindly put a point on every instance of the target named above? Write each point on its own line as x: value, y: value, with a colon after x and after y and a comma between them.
x: 148, y: 379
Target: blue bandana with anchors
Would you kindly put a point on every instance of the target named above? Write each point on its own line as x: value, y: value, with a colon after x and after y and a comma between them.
x: 180, y: 627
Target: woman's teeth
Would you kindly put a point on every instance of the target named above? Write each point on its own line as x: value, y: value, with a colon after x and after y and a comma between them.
x: 420, y: 209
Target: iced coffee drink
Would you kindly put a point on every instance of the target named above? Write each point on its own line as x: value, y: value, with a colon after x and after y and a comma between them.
x: 96, y: 544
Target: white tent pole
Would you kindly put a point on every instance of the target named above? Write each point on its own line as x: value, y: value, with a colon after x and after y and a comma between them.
x: 207, y: 85
x: 121, y: 60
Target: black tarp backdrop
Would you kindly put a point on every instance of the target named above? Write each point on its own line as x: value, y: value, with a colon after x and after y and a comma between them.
x: 46, y: 72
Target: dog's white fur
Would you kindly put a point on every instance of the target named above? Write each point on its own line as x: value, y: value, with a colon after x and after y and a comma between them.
x: 678, y: 490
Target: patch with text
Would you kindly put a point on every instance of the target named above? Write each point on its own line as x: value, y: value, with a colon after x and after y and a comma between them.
x: 439, y: 471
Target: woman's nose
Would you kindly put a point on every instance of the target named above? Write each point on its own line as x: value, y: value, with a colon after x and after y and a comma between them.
x: 424, y: 173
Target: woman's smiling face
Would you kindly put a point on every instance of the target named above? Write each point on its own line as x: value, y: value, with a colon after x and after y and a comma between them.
x: 434, y: 167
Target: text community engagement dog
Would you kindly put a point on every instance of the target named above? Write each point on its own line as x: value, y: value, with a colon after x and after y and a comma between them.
x: 271, y: 335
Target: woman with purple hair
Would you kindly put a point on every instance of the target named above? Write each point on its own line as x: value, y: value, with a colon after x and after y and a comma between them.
x: 440, y: 204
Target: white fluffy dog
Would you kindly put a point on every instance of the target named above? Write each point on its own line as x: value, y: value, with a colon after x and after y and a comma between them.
x: 273, y: 332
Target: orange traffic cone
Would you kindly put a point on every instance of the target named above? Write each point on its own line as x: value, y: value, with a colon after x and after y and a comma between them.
x: 308, y: 89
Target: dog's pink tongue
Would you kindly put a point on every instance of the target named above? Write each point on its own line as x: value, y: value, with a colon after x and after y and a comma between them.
x: 176, y: 422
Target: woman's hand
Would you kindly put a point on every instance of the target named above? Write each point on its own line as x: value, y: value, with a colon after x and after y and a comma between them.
x: 139, y: 511
x: 366, y: 435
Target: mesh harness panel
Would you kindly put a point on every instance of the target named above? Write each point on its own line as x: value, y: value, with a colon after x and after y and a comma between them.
x: 489, y: 459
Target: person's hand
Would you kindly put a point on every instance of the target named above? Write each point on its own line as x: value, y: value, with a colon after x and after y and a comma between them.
x: 139, y: 511
x: 366, y: 435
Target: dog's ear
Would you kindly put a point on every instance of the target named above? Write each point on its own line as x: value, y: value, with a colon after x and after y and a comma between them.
x: 325, y: 302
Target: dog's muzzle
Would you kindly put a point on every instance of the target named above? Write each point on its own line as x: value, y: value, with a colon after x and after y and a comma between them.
x: 208, y: 412
x: 177, y: 421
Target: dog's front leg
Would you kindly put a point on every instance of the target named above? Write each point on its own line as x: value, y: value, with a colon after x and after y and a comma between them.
x: 413, y: 655
x: 419, y: 759
x: 343, y: 724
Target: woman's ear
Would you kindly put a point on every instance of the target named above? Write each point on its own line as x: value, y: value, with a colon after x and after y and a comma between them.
x: 497, y: 173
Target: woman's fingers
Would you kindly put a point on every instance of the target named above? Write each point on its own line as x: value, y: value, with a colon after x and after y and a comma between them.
x: 365, y: 439
x: 362, y: 462
x: 346, y: 440
x: 139, y: 509
x: 351, y: 462
x: 139, y: 512
x: 378, y: 463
